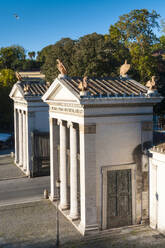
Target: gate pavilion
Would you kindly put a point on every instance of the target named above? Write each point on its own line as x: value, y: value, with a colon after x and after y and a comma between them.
x: 30, y: 113
x: 97, y: 137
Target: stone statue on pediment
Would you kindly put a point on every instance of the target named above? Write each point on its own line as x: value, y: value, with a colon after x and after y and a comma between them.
x: 124, y: 69
x: 83, y: 85
x: 61, y: 68
x: 151, y: 84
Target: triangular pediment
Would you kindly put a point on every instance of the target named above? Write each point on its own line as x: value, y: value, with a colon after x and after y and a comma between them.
x: 16, y: 92
x: 61, y: 93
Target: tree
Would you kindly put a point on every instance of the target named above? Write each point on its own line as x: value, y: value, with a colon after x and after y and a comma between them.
x: 7, y: 80
x: 31, y: 55
x: 12, y: 57
x: 135, y: 31
x: 136, y: 26
x: 63, y: 50
x: 95, y: 55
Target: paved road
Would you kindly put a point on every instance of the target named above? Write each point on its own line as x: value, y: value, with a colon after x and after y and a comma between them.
x: 34, y: 225
x: 8, y: 170
x: 23, y: 189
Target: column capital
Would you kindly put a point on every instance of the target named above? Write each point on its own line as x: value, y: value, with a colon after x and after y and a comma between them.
x: 87, y: 128
x: 72, y: 124
x: 61, y: 122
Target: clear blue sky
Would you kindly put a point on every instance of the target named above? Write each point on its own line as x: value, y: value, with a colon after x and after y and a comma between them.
x: 46, y: 21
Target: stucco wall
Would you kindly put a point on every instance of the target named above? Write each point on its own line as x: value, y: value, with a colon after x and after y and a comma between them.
x: 42, y: 120
x: 118, y: 143
x: 157, y: 186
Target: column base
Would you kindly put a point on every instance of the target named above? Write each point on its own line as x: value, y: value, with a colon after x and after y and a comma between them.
x: 53, y: 198
x: 73, y: 218
x: 64, y: 207
x: 88, y: 229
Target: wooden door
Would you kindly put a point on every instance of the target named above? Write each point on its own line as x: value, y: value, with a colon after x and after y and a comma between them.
x: 119, y: 198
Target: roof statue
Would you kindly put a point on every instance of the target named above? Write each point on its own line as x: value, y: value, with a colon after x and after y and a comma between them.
x: 47, y: 85
x: 26, y: 89
x: 18, y: 76
x: 83, y: 86
x: 124, y: 69
x: 61, y: 68
x: 151, y: 84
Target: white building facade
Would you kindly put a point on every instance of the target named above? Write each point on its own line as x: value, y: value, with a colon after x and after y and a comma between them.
x: 30, y: 113
x: 157, y: 186
x: 96, y: 144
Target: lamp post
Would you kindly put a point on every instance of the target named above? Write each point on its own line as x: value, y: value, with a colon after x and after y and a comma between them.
x: 57, y: 214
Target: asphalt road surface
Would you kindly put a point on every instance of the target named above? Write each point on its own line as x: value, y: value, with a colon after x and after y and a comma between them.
x: 23, y: 189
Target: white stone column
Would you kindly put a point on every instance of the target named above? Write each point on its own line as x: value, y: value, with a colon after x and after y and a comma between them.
x: 88, y: 192
x: 54, y: 167
x: 73, y: 172
x: 24, y: 142
x: 16, y: 135
x: 20, y: 138
x: 30, y: 123
x: 63, y: 167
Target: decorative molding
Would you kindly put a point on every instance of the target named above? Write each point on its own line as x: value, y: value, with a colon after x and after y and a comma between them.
x: 88, y: 128
x: 67, y: 110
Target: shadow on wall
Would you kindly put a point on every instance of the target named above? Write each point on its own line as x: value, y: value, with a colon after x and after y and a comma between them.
x: 140, y: 156
x: 139, y: 152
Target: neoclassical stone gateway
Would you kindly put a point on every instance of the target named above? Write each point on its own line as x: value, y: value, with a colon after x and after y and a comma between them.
x: 30, y: 113
x: 98, y: 130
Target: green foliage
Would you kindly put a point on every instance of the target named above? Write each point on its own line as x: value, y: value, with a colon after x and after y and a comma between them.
x: 135, y: 31
x: 31, y: 55
x: 12, y: 57
x: 7, y: 78
x: 63, y: 50
x: 136, y: 26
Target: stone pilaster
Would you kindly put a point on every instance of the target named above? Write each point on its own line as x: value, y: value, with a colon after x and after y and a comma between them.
x: 16, y: 135
x: 73, y: 172
x: 30, y: 127
x: 54, y: 167
x: 87, y: 171
x: 63, y: 167
x: 20, y: 138
x: 24, y: 142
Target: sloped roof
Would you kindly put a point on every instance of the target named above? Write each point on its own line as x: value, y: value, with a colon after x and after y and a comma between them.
x: 107, y: 86
x: 33, y: 87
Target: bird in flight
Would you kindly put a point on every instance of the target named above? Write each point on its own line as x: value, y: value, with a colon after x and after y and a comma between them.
x: 16, y: 16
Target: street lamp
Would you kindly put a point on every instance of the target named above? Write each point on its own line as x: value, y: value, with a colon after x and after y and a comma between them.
x: 57, y: 214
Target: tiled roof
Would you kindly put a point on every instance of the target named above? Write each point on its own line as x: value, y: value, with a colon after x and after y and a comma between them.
x: 107, y: 86
x: 33, y: 88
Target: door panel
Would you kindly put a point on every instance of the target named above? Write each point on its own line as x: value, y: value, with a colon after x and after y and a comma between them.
x: 119, y: 198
